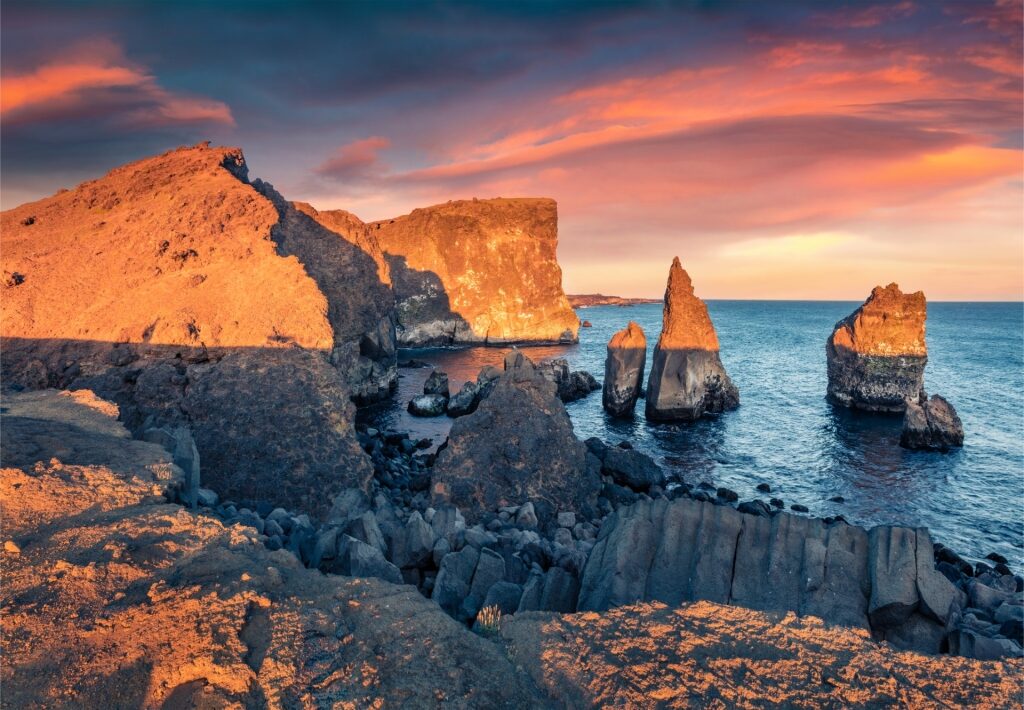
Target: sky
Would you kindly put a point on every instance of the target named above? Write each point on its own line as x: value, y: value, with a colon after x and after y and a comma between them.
x: 798, y: 149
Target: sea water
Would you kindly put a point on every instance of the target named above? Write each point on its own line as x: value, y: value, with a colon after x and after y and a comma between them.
x: 787, y: 435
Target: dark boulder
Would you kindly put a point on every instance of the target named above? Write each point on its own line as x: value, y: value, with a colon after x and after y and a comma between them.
x: 437, y: 383
x: 931, y: 423
x: 428, y: 405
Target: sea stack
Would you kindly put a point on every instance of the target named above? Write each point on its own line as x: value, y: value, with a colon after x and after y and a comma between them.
x: 876, y: 355
x: 688, y: 380
x: 624, y: 370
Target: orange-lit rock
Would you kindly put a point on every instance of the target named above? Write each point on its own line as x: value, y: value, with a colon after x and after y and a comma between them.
x: 687, y: 378
x: 877, y: 355
x: 478, y: 271
x: 624, y: 370
x: 194, y: 297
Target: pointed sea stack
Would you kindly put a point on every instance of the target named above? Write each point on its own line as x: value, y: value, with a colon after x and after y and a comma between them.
x: 624, y: 370
x: 876, y: 355
x: 688, y: 380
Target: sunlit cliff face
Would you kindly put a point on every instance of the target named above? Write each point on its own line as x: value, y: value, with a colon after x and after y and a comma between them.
x: 794, y: 150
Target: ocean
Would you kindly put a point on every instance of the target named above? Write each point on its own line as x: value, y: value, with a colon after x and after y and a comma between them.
x: 787, y: 435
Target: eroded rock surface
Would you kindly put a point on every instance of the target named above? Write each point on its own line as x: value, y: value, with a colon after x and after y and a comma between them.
x: 117, y: 598
x: 687, y: 380
x: 931, y: 423
x: 192, y: 297
x: 624, y: 370
x: 517, y: 446
x: 876, y: 356
x: 478, y: 271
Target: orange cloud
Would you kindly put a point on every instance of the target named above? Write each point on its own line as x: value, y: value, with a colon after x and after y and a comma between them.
x: 95, y: 75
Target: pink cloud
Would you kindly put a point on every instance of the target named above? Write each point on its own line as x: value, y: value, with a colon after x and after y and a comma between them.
x: 357, y: 159
x: 96, y: 79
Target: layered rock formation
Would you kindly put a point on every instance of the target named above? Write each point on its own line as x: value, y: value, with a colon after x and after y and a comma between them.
x: 624, y: 370
x: 478, y: 271
x: 194, y: 298
x: 931, y: 423
x: 876, y: 356
x: 517, y: 447
x: 883, y: 579
x: 687, y: 380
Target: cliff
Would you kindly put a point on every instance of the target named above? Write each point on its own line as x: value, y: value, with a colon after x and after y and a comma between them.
x: 478, y: 271
x: 876, y: 356
x: 688, y: 380
x: 588, y: 300
x: 195, y: 298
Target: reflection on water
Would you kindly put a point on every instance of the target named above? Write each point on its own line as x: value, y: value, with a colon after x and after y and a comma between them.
x: 786, y: 434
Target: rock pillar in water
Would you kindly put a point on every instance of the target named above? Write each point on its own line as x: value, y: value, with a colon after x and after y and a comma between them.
x: 688, y: 380
x: 931, y: 423
x: 624, y: 370
x: 876, y: 355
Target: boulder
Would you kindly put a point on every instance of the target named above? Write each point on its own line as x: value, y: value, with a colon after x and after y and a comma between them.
x: 454, y: 576
x: 490, y: 569
x: 428, y: 405
x: 478, y: 271
x: 570, y: 385
x: 876, y: 356
x: 437, y: 383
x: 688, y: 380
x: 892, y: 564
x: 469, y: 397
x: 517, y: 446
x: 505, y: 596
x: 631, y: 468
x: 624, y: 370
x: 561, y: 589
x: 931, y: 423
x: 357, y: 559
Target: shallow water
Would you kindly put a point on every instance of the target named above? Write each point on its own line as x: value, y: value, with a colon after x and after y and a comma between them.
x: 786, y: 434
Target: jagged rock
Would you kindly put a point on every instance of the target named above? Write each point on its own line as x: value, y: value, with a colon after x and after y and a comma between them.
x: 477, y: 271
x: 517, y: 446
x: 931, y: 423
x: 570, y: 385
x: 358, y: 559
x: 688, y: 380
x: 624, y: 370
x: 366, y: 529
x: 428, y: 405
x: 453, y: 579
x: 894, y: 595
x: 437, y: 383
x: 212, y: 303
x: 876, y: 356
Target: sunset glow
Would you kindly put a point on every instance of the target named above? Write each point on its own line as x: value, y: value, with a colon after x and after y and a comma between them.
x: 734, y: 141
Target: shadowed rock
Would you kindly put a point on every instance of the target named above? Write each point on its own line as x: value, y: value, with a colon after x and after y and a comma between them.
x: 624, y: 370
x: 478, y: 271
x: 517, y: 446
x: 688, y: 380
x: 876, y: 356
x: 931, y: 423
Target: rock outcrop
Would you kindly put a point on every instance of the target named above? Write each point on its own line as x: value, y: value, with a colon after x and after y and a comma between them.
x: 192, y: 297
x: 570, y: 385
x: 114, y: 597
x: 687, y: 380
x: 624, y: 370
x: 876, y: 356
x: 931, y: 423
x: 884, y: 579
x: 478, y: 271
x: 517, y: 447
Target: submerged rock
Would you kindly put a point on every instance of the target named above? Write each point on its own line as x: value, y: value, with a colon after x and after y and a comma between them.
x: 876, y: 356
x: 517, y: 446
x: 931, y: 423
x: 478, y: 271
x: 624, y: 370
x: 688, y: 380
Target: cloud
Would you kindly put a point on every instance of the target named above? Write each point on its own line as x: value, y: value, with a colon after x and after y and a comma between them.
x: 95, y: 80
x: 356, y: 160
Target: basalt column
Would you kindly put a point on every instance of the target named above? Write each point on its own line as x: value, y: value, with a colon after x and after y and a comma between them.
x: 688, y: 380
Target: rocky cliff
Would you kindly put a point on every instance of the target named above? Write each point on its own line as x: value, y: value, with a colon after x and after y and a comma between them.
x: 478, y: 271
x: 193, y: 297
x: 876, y: 356
x: 687, y: 380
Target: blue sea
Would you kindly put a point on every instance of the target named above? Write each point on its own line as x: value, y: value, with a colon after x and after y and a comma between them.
x: 787, y: 435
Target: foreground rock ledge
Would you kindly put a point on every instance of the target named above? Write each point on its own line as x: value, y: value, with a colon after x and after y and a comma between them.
x: 876, y: 356
x: 688, y: 380
x: 113, y: 597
